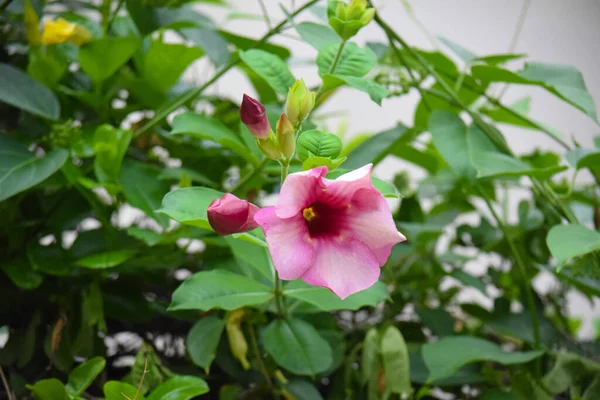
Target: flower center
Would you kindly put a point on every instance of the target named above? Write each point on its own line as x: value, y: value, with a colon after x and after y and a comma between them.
x: 309, y: 214
x: 323, y: 220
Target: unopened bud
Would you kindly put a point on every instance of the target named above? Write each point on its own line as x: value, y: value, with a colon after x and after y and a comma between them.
x: 270, y: 149
x: 253, y: 115
x: 230, y: 214
x: 286, y: 136
x: 237, y: 341
x: 299, y: 103
x: 348, y: 19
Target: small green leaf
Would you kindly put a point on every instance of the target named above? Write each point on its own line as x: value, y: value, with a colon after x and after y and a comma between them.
x: 469, y: 280
x: 101, y: 58
x: 317, y: 35
x: 325, y: 300
x: 317, y: 143
x: 438, y: 320
x: 107, y: 259
x: 203, y: 339
x: 303, y: 390
x: 354, y: 61
x: 207, y: 290
x: 569, y: 369
x: 394, y: 354
x: 375, y: 91
x: 297, y: 346
x: 164, y: 63
x: 83, y: 376
x: 19, y: 90
x: 491, y: 164
x: 179, y: 387
x: 580, y: 158
x: 49, y: 389
x: 269, y: 67
x: 20, y: 169
x: 330, y: 163
x: 246, y: 43
x: 466, y: 55
x: 447, y: 355
x: 573, y: 240
x: 189, y: 205
x: 21, y: 274
x: 207, y: 128
x: 115, y: 390
x: 378, y: 146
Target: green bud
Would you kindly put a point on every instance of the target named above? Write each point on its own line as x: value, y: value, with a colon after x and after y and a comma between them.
x: 237, y: 341
x: 355, y: 9
x: 270, y: 148
x: 367, y: 16
x: 299, y: 103
x: 286, y: 136
x: 348, y: 19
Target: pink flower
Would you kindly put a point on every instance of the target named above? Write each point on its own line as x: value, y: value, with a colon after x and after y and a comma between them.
x: 252, y: 114
x: 230, y: 214
x: 331, y: 233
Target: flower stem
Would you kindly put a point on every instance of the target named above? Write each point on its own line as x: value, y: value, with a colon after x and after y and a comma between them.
x: 279, y: 304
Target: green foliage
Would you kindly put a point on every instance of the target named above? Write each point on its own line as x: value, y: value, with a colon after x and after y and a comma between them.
x: 114, y: 285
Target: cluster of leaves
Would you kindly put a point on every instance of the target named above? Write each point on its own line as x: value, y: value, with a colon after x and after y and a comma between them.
x: 93, y: 305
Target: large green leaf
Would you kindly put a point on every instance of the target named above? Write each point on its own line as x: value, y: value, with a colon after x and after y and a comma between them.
x: 396, y: 364
x: 20, y: 90
x: 269, y: 67
x: 49, y: 389
x: 572, y: 240
x: 213, y: 44
x: 297, y: 346
x: 354, y: 61
x: 189, y: 205
x: 375, y: 91
x: 115, y: 390
x: 164, y: 63
x: 207, y: 290
x: 107, y: 259
x: 83, y: 376
x: 563, y: 81
x: 101, y: 58
x: 203, y: 339
x: 207, y: 128
x: 179, y: 387
x: 143, y: 189
x: 449, y: 134
x: 376, y: 147
x: 318, y: 143
x: 447, y: 355
x: 325, y: 300
x: 491, y: 164
x: 317, y: 35
x: 20, y: 169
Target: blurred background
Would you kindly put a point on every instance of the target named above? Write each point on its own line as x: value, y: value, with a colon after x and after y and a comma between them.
x: 554, y: 31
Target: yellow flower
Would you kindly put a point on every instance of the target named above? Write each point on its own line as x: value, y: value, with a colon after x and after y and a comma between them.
x: 61, y: 30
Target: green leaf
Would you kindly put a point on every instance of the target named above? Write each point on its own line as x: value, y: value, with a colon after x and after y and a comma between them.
x: 317, y: 35
x: 180, y: 387
x: 20, y: 169
x: 447, y: 355
x: 498, y: 394
x: 175, y: 174
x: 493, y: 164
x: 580, y: 158
x: 21, y: 274
x: 385, y: 188
x: 164, y: 63
x: 207, y: 290
x: 107, y: 259
x: 114, y: 390
x: 469, y: 280
x: 49, y: 389
x: 315, y: 143
x: 394, y: 354
x: 497, y: 59
x: 83, y: 376
x: 303, y: 390
x: 110, y: 146
x: 325, y: 300
x: 569, y: 369
x: 19, y: 90
x: 204, y: 127
x: 354, y: 61
x: 438, y: 320
x: 251, y: 254
x: 375, y: 148
x: 213, y: 44
x: 188, y: 206
x: 449, y: 134
x: 143, y: 189
x: 101, y: 58
x: 572, y: 240
x: 47, y: 67
x: 466, y: 55
x: 563, y: 81
x: 297, y: 346
x: 271, y: 68
x: 246, y: 43
x: 375, y: 91
x: 203, y: 339
x: 331, y: 164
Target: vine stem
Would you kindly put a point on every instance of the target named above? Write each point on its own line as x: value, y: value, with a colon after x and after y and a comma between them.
x: 521, y: 264
x: 191, y: 95
x: 9, y: 392
x: 338, y: 55
x: 255, y: 171
x: 259, y: 360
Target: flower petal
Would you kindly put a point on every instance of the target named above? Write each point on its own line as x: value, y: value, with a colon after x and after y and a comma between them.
x: 289, y: 242
x: 370, y: 221
x: 339, y: 192
x: 299, y: 190
x: 344, y: 266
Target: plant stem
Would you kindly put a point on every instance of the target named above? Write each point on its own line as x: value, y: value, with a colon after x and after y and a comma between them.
x: 9, y: 392
x: 265, y: 12
x: 192, y: 94
x: 259, y: 360
x: 279, y: 304
x: 521, y: 264
x: 255, y: 171
x: 338, y: 55
x: 112, y: 17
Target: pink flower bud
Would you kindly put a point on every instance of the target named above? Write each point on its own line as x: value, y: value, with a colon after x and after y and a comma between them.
x: 253, y: 115
x: 230, y: 214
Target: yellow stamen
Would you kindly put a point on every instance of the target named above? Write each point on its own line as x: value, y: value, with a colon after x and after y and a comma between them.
x: 309, y: 214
